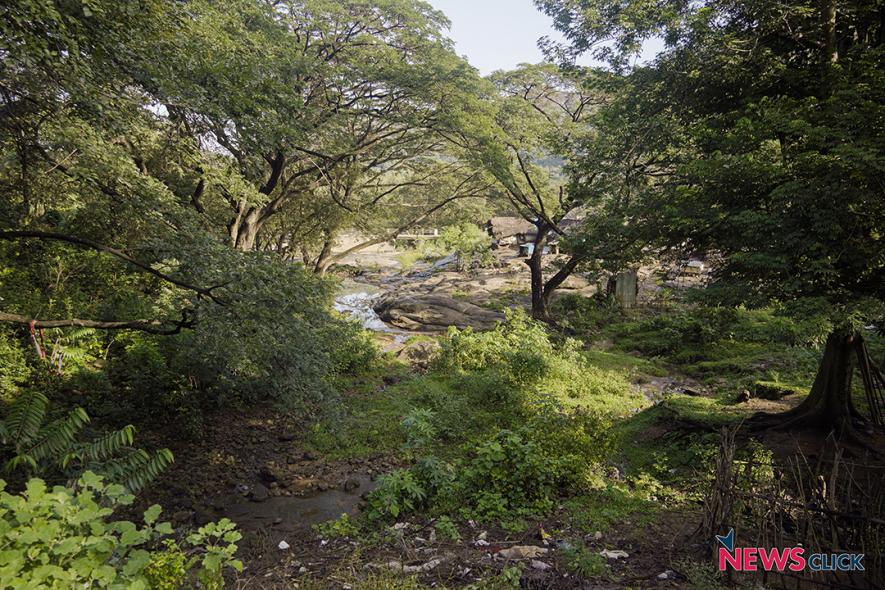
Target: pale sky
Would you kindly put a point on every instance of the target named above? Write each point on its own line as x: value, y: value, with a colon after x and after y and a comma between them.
x: 500, y: 34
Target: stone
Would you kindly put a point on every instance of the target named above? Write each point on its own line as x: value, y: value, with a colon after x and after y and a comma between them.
x: 283, y: 546
x: 772, y: 391
x: 614, y: 554
x: 433, y: 313
x: 259, y: 493
x: 743, y: 397
x: 522, y: 552
x: 310, y: 456
x: 540, y: 565
x: 666, y: 575
x: 351, y: 483
x: 418, y: 353
x: 423, y: 568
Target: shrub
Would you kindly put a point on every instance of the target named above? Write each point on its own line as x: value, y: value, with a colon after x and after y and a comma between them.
x: 446, y: 529
x: 507, y: 478
x: 468, y: 242
x: 64, y: 538
x: 397, y: 492
x: 13, y: 368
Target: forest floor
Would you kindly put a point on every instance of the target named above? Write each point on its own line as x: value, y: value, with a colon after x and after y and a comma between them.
x: 280, y: 476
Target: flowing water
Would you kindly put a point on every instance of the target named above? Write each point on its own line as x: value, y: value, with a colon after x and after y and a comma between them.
x: 356, y: 300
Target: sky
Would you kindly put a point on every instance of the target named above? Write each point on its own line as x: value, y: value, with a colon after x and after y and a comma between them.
x: 499, y: 34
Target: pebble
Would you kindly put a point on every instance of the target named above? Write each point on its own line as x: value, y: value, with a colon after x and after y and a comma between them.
x: 540, y: 565
x: 283, y: 546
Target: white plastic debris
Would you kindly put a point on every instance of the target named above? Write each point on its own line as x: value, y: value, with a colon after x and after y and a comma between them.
x: 616, y: 554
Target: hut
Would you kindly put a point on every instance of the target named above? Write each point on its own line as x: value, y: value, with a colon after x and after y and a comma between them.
x: 509, y: 231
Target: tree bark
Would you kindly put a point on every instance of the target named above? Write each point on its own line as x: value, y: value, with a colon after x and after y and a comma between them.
x: 540, y: 307
x: 324, y: 259
x: 829, y: 406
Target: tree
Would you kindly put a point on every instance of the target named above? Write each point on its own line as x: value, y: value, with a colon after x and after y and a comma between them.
x: 325, y: 107
x: 777, y: 160
x: 522, y: 141
x: 107, y: 224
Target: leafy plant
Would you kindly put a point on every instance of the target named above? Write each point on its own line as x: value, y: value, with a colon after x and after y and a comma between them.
x: 397, y: 492
x: 342, y: 526
x: 446, y: 529
x: 64, y: 538
x: 580, y: 560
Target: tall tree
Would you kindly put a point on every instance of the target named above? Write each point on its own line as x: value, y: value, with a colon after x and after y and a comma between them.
x: 780, y: 116
x: 536, y: 112
x: 338, y: 102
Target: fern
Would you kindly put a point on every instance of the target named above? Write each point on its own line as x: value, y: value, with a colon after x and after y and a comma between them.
x: 36, y: 446
x: 107, y: 445
x: 25, y: 417
x: 56, y: 438
x: 138, y: 468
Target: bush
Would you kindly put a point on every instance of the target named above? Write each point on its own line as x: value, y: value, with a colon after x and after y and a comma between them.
x: 13, y: 368
x: 64, y: 538
x: 471, y: 245
x: 398, y: 492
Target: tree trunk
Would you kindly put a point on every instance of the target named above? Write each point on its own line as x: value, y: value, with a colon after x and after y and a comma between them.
x: 325, y: 260
x: 540, y: 307
x: 830, y: 54
x: 829, y: 406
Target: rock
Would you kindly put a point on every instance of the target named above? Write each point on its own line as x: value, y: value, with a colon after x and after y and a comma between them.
x: 270, y: 473
x: 418, y: 353
x: 772, y: 391
x: 597, y: 535
x: 522, y: 552
x: 666, y: 575
x: 614, y: 554
x: 310, y: 456
x: 203, y: 517
x: 433, y: 312
x: 481, y: 543
x: 743, y: 397
x: 691, y: 392
x: 259, y: 493
x: 424, y: 567
x: 283, y: 546
x: 540, y: 565
x: 302, y: 570
x: 351, y: 484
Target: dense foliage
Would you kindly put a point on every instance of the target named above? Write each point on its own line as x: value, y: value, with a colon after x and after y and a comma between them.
x: 65, y: 538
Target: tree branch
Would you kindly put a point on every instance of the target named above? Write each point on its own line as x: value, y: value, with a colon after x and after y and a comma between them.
x: 201, y: 291
x: 150, y: 326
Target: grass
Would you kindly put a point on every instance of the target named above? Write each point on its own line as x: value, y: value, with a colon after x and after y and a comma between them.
x: 630, y: 364
x: 482, y: 383
x: 408, y: 258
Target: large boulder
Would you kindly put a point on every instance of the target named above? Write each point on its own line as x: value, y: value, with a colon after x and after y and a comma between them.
x: 433, y: 312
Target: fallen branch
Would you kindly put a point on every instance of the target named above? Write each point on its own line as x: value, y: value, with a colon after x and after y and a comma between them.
x: 150, y: 326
